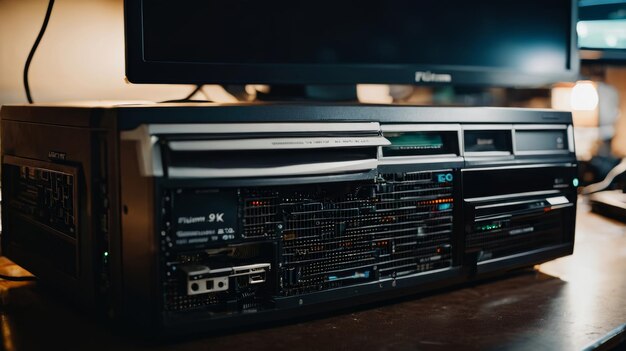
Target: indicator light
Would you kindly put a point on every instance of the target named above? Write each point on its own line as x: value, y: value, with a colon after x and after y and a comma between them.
x: 575, y: 182
x: 489, y: 227
x: 445, y: 206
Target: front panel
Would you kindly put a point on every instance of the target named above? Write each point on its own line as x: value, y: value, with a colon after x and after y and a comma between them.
x: 255, y: 220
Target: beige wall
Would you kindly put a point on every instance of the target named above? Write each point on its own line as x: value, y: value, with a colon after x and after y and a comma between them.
x: 81, y: 56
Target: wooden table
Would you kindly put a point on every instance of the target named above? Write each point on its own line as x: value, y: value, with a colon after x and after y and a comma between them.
x: 566, y: 304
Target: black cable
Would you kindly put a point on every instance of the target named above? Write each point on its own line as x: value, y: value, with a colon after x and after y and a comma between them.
x: 198, y: 87
x: 188, y: 97
x: 34, y: 48
x: 25, y: 278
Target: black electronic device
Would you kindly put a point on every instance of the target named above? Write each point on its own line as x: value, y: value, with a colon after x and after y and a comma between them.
x: 202, y: 217
x: 609, y: 203
x: 442, y: 42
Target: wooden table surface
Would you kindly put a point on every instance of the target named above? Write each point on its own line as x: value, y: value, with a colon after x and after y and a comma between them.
x: 565, y: 304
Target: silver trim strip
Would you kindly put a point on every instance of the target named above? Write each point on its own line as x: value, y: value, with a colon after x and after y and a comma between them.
x: 487, y: 153
x: 509, y: 196
x: 502, y: 204
x: 396, y: 160
x: 543, y: 152
x: 542, y: 165
x: 291, y: 170
x: 420, y: 127
x: 491, y: 217
x: 556, y: 207
x: 487, y: 127
x: 539, y: 126
x: 230, y: 128
x: 276, y: 143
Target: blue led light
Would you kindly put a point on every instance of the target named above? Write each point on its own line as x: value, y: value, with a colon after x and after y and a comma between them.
x: 575, y: 182
x: 443, y: 207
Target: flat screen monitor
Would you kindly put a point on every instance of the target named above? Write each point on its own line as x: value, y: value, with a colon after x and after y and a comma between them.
x: 458, y: 42
x: 602, y: 30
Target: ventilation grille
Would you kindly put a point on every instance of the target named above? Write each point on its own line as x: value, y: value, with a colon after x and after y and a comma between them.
x: 47, y: 197
x: 340, y: 235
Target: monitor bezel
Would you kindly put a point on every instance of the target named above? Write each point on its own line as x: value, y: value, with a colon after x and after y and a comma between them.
x: 138, y: 70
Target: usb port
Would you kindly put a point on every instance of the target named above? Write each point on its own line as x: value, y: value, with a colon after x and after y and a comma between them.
x: 257, y: 278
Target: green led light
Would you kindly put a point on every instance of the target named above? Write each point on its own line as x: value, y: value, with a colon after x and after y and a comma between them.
x: 575, y: 182
x: 490, y: 227
x: 106, y: 254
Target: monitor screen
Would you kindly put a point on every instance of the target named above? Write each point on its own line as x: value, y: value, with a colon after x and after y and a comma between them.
x: 602, y: 30
x: 489, y: 42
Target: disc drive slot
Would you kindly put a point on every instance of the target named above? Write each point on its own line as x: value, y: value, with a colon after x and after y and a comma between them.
x: 269, y: 163
x: 511, y: 208
x: 257, y: 150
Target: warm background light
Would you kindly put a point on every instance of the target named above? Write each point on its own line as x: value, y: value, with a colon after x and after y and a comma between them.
x: 374, y: 93
x: 584, y: 96
x: 582, y: 100
x: 81, y: 56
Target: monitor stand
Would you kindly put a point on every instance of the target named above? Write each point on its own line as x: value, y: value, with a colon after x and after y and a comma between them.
x: 329, y: 93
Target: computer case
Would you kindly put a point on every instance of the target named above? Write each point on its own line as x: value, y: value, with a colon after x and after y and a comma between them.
x: 199, y: 217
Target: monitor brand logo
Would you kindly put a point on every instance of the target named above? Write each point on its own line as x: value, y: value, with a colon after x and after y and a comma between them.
x: 430, y: 77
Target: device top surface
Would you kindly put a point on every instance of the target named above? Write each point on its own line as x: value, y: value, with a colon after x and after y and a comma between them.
x: 129, y: 115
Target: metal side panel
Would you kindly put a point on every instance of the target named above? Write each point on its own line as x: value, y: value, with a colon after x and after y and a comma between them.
x: 139, y: 250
